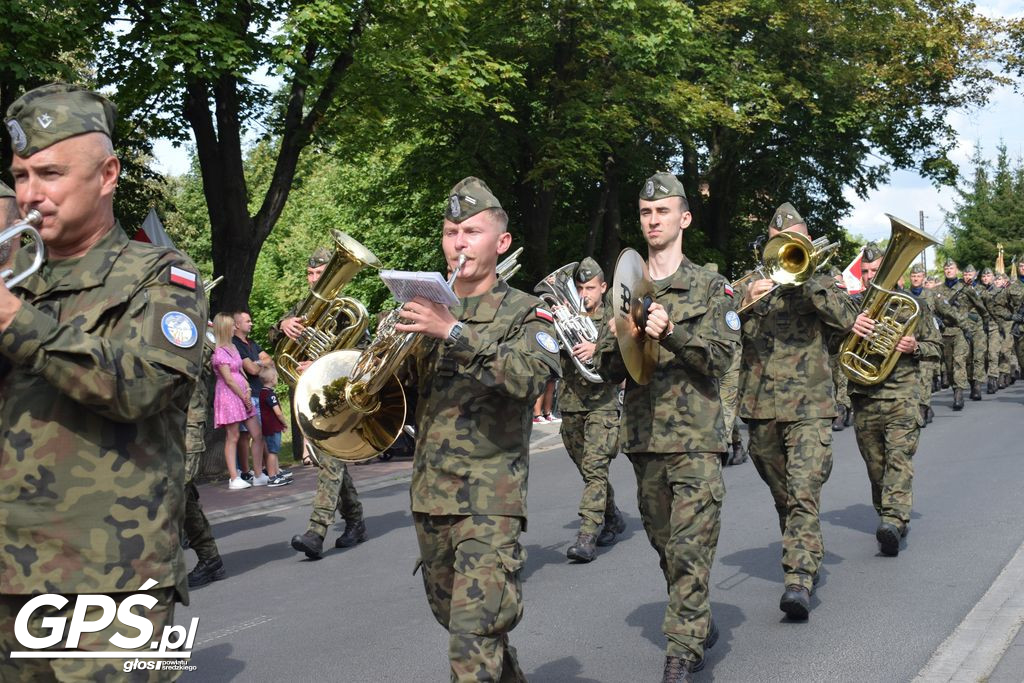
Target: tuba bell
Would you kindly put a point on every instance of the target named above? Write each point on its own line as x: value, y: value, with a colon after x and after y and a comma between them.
x: 323, y: 308
x: 788, y: 259
x: 571, y: 321
x: 870, y: 360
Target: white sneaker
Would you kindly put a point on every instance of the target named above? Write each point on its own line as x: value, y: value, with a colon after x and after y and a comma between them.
x: 238, y: 483
x: 261, y: 480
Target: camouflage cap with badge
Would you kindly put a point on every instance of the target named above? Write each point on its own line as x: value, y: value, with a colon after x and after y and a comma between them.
x: 786, y: 216
x: 319, y: 257
x: 588, y: 270
x: 917, y: 268
x: 661, y: 185
x: 872, y: 252
x: 950, y: 262
x: 56, y: 112
x: 468, y: 198
x: 987, y: 271
x: 970, y: 268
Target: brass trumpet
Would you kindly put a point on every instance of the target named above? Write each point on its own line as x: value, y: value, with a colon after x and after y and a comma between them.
x: 29, y: 225
x: 789, y: 259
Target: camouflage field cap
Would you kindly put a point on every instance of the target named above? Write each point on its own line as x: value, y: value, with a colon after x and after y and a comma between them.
x: 917, y: 268
x: 660, y: 185
x: 970, y: 268
x: 949, y: 262
x: 319, y: 257
x: 56, y: 112
x: 588, y: 270
x: 872, y: 252
x: 5, y: 191
x: 786, y: 217
x: 468, y: 198
x: 987, y: 271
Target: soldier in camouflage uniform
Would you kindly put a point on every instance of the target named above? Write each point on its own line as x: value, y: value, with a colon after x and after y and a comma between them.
x: 478, y: 372
x: 977, y: 326
x: 887, y: 419
x: 1004, y: 319
x: 1015, y: 301
x: 196, y: 527
x: 673, y: 431
x: 994, y: 297
x: 787, y: 401
x: 335, y: 490
x: 926, y: 366
x: 99, y: 355
x: 844, y: 409
x: 590, y: 426
x: 728, y: 388
x: 8, y: 215
x: 955, y: 332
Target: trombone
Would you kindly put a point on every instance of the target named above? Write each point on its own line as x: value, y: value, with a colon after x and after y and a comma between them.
x: 789, y: 259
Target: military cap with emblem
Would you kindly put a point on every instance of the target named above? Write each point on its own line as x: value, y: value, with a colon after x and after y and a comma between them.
x: 660, y: 185
x: 588, y: 270
x: 987, y: 271
x: 872, y: 252
x: 56, y: 112
x: 319, y: 257
x: 469, y: 197
x: 970, y: 268
x: 949, y: 262
x: 786, y: 216
x: 6, y: 192
x: 917, y: 268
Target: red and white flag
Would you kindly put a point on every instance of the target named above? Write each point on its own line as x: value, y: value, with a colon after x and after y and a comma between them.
x: 152, y: 231
x: 852, y: 275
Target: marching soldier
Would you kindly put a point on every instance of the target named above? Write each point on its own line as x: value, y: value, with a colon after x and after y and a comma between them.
x: 729, y: 388
x: 1004, y: 318
x: 992, y: 296
x: 955, y: 332
x: 590, y: 426
x: 99, y: 355
x: 927, y: 366
x: 1016, y: 303
x: 976, y: 330
x: 886, y: 416
x: 844, y: 409
x: 787, y: 401
x: 673, y: 431
x: 335, y: 490
x: 485, y: 362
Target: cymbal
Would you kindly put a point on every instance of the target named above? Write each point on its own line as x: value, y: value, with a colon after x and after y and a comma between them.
x: 632, y: 294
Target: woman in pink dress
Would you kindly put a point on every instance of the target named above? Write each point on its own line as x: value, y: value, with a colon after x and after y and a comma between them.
x: 232, y: 402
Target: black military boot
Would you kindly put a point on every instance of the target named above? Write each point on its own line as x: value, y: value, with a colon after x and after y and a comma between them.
x: 935, y: 383
x: 613, y: 526
x: 207, y: 571
x: 309, y: 543
x: 924, y: 415
x: 929, y: 416
x: 583, y: 549
x: 796, y: 602
x: 839, y: 420
x: 738, y: 454
x: 888, y: 536
x: 958, y: 399
x: 848, y: 420
x: 975, y: 390
x: 945, y: 381
x: 1004, y: 380
x: 677, y: 670
x: 992, y: 384
x: 355, y: 532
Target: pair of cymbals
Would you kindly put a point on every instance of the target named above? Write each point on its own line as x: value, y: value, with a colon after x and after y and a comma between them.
x: 632, y: 295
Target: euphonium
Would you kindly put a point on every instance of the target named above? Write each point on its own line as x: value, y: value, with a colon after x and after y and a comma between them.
x: 26, y: 226
x: 571, y: 322
x: 323, y: 308
x: 789, y: 259
x: 870, y: 360
x: 349, y: 404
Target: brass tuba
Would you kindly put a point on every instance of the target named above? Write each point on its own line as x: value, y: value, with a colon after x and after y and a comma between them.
x: 870, y: 360
x: 26, y: 226
x: 571, y: 321
x: 323, y: 308
x: 349, y: 404
x: 789, y: 259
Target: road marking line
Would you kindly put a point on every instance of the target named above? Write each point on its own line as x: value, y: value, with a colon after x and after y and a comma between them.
x: 224, y: 632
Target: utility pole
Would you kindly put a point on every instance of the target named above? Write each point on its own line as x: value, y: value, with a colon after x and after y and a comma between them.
x: 924, y: 258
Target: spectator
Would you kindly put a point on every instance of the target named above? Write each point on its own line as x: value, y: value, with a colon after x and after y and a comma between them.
x: 232, y: 402
x: 273, y: 425
x: 254, y: 359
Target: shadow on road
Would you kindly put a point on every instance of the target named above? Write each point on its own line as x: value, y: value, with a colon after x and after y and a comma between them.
x: 859, y: 517
x: 649, y: 619
x: 564, y: 670
x: 762, y: 562
x: 256, y: 521
x: 538, y: 556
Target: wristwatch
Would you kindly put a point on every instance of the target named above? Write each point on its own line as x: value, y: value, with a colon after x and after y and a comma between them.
x: 454, y: 334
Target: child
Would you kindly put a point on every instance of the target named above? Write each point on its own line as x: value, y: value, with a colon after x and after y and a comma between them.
x: 273, y: 425
x: 232, y: 403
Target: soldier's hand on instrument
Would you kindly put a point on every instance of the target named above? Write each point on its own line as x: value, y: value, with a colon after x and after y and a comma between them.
x: 611, y: 328
x: 426, y: 317
x: 863, y: 326
x: 584, y: 351
x: 292, y: 327
x: 756, y: 289
x: 304, y: 364
x: 907, y: 344
x: 658, y: 324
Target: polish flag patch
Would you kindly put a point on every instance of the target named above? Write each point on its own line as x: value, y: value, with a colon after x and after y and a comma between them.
x: 544, y: 315
x: 728, y: 289
x: 183, y: 278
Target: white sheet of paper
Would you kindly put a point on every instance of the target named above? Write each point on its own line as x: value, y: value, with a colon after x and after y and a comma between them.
x: 406, y: 285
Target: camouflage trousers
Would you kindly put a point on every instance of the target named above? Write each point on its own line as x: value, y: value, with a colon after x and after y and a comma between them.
x: 927, y: 369
x: 795, y: 460
x: 592, y: 441
x: 994, y: 343
x: 888, y: 431
x: 954, y: 356
x: 1007, y: 359
x: 729, y: 391
x: 471, y: 572
x: 81, y: 670
x: 335, y: 490
x: 680, y: 498
x: 1018, y: 351
x: 196, y: 527
x: 839, y: 379
x: 976, y: 352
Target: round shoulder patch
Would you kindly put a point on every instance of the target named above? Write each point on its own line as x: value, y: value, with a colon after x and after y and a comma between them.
x: 732, y: 319
x: 547, y: 342
x: 179, y: 329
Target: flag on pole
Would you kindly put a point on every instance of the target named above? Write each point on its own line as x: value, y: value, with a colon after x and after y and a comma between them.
x: 852, y: 275
x: 152, y: 231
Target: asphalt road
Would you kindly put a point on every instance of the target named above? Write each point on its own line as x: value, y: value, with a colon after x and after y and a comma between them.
x: 360, y: 615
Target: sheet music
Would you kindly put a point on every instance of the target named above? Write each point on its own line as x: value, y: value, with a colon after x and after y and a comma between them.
x: 406, y: 285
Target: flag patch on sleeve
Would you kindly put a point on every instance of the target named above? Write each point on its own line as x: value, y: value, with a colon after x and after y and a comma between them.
x: 544, y: 314
x: 183, y: 278
x: 728, y: 289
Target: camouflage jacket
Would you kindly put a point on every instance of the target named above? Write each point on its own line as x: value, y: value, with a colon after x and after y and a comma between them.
x: 576, y: 394
x: 680, y: 410
x: 475, y: 407
x: 997, y: 300
x: 966, y: 301
x: 198, y: 417
x: 101, y: 362
x: 904, y: 382
x: 947, y: 315
x: 785, y: 373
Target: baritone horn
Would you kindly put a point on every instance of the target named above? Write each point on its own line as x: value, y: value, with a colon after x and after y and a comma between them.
x: 789, y: 259
x: 870, y: 360
x: 29, y: 225
x: 350, y: 404
x: 571, y: 321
